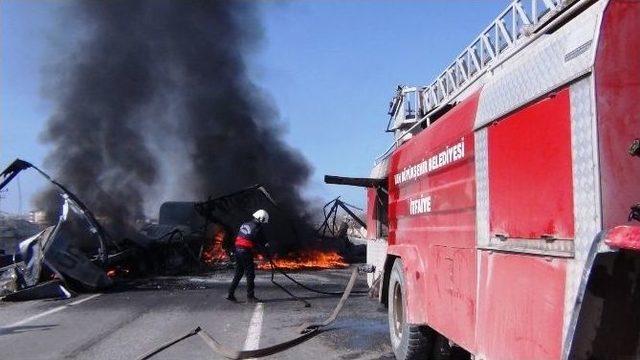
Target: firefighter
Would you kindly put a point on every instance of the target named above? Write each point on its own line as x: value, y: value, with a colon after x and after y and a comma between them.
x: 249, y: 236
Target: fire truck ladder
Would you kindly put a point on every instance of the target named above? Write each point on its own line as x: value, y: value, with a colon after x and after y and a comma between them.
x: 515, y: 28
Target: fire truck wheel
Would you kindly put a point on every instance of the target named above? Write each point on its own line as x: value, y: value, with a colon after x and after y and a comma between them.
x: 409, y: 342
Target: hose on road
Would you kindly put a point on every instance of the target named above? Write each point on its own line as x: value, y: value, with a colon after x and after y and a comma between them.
x: 275, y: 268
x: 307, y: 331
x: 274, y: 282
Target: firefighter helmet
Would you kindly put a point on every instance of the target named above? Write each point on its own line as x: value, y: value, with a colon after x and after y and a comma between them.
x: 261, y: 216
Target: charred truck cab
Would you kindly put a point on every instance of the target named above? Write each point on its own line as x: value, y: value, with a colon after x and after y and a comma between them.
x: 503, y: 225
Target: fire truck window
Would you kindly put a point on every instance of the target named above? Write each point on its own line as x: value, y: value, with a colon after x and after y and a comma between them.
x: 382, y: 214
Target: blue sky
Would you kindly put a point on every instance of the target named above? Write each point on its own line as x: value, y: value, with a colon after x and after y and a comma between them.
x: 330, y: 67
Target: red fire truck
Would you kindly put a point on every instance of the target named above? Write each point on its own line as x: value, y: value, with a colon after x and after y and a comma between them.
x: 505, y: 223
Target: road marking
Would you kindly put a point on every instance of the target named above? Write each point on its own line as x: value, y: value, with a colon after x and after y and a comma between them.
x: 49, y: 312
x: 255, y: 327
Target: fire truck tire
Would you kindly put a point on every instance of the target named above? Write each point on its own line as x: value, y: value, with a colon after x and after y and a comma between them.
x: 409, y: 342
x: 441, y: 348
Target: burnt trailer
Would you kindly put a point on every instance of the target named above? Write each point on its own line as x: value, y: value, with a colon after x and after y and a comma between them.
x: 192, y: 236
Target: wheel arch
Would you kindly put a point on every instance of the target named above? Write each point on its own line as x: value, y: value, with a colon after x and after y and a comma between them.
x: 386, y: 275
x: 414, y: 276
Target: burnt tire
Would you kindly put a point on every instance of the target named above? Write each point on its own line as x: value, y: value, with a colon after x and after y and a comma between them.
x: 409, y: 342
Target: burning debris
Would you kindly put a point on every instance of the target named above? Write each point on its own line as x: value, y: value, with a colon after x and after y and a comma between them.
x: 215, y: 252
x: 197, y: 236
x: 78, y: 254
x: 304, y: 260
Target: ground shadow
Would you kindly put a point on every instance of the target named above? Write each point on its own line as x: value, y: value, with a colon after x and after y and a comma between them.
x: 10, y: 330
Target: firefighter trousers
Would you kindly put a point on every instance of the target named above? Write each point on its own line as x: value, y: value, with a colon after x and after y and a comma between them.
x: 244, y: 266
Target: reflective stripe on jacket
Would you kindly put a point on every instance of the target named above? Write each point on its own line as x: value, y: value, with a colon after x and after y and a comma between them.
x: 243, y: 243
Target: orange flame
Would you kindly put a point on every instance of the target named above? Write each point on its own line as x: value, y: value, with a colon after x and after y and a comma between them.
x: 213, y: 252
x: 306, y: 260
x: 120, y: 271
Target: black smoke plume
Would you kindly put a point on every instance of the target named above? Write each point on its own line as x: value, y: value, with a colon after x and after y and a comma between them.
x: 148, y: 76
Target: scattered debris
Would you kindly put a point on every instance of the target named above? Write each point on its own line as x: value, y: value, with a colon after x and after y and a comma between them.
x: 73, y: 250
x: 76, y: 254
x: 196, y: 236
x: 350, y: 229
x: 46, y: 290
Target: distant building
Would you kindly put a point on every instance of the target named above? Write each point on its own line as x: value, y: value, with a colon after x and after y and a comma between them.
x: 15, y: 229
x: 38, y: 217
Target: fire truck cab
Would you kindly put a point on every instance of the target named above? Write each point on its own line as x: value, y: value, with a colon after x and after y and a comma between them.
x: 507, y: 224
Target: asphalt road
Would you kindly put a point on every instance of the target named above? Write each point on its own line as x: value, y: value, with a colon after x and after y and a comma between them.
x: 131, y: 320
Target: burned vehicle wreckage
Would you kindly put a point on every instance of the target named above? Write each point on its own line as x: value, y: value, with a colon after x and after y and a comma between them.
x: 71, y: 254
x: 77, y: 254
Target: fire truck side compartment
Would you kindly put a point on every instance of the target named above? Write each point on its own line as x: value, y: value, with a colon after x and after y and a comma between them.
x: 530, y: 171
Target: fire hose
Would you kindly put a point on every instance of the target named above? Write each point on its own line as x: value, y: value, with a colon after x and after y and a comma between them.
x: 275, y: 268
x: 306, y: 332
